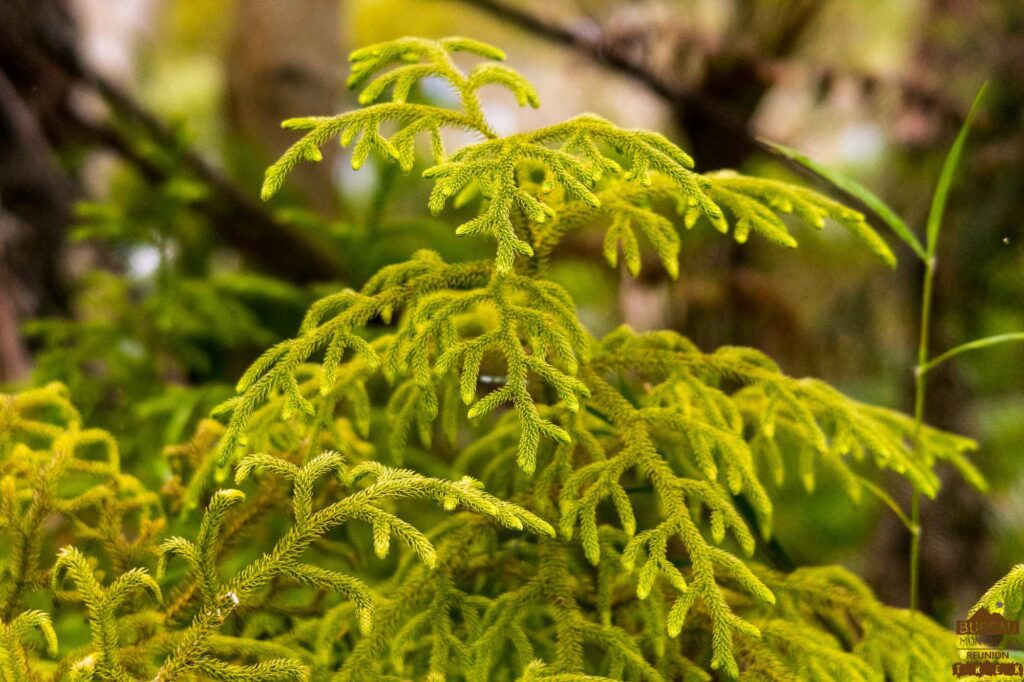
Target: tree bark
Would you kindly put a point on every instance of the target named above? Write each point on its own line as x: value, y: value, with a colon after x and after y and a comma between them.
x: 39, y: 56
x: 284, y: 60
x: 35, y: 205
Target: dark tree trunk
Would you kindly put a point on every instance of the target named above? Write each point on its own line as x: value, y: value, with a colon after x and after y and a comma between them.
x: 284, y: 60
x: 35, y: 193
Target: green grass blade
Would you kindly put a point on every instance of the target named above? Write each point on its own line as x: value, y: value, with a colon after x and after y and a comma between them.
x: 974, y: 345
x: 938, y: 207
x: 858, y: 191
x: 889, y: 502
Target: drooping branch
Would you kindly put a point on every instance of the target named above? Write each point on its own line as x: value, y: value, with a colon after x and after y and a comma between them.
x: 703, y: 106
x: 37, y: 46
x: 236, y: 216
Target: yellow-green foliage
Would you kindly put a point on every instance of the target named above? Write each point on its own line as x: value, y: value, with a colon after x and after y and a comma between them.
x: 655, y: 461
x: 1006, y: 596
x: 42, y: 444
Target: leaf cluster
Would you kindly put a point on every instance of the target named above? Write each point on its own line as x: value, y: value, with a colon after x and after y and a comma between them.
x: 444, y: 475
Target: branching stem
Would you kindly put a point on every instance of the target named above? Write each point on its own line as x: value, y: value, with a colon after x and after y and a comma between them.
x: 920, y: 394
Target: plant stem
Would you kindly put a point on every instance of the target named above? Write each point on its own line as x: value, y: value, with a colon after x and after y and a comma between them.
x: 920, y: 394
x: 932, y: 231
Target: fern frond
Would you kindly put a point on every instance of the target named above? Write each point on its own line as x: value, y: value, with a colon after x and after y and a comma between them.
x: 891, y: 641
x: 57, y: 477
x: 753, y: 201
x: 274, y: 670
x: 538, y: 670
x: 575, y: 165
x: 796, y: 651
x: 278, y: 369
x: 676, y: 496
x: 418, y: 58
x: 373, y: 484
x: 102, y: 604
x: 14, y: 656
x: 777, y: 410
x: 754, y: 204
x: 532, y: 321
x: 1006, y: 596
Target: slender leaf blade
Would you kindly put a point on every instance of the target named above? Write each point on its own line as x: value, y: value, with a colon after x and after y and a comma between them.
x: 938, y: 207
x: 857, y: 190
x: 977, y: 344
x: 889, y: 502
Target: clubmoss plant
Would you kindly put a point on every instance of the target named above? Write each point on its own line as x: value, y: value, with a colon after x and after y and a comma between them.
x: 573, y: 508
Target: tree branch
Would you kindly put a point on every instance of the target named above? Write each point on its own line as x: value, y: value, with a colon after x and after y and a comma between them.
x: 31, y: 37
x: 237, y: 217
x: 679, y: 97
x: 35, y: 203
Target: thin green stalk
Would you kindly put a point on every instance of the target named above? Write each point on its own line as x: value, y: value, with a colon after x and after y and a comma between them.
x: 987, y: 342
x: 920, y: 394
x: 932, y: 230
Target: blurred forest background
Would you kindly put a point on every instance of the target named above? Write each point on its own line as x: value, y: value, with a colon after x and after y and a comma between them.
x: 138, y: 266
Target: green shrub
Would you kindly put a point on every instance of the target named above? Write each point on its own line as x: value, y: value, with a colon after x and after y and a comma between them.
x: 573, y: 508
